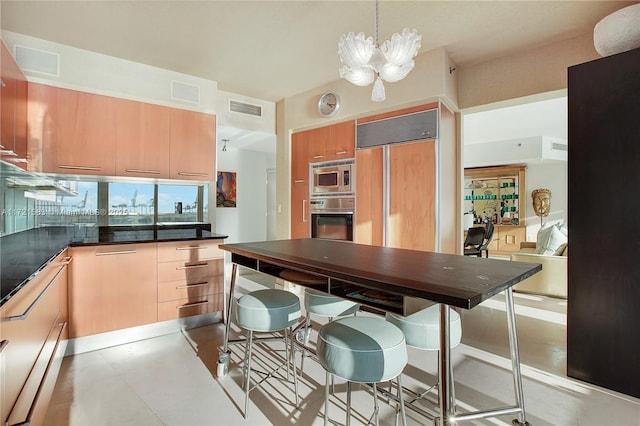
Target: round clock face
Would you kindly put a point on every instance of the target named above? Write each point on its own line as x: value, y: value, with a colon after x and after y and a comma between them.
x: 328, y: 104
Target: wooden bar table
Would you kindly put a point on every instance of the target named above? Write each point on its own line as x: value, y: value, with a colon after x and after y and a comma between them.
x: 391, y: 279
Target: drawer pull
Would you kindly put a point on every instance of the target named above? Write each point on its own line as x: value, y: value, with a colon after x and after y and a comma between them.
x: 193, y: 174
x: 315, y: 157
x: 298, y: 181
x: 3, y: 345
x: 63, y: 166
x: 33, y: 304
x: 202, y: 284
x: 199, y: 265
x: 154, y: 172
x: 192, y: 247
x: 192, y: 304
x: 109, y: 253
x: 341, y: 152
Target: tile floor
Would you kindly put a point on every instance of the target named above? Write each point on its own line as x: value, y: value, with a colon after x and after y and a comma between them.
x: 171, y: 380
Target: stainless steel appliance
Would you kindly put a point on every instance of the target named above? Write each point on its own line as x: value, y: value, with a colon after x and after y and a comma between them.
x: 332, y: 178
x: 332, y: 218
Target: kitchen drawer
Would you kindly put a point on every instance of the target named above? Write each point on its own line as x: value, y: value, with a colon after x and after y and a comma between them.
x: 180, y: 270
x: 27, y: 321
x: 188, y: 307
x: 31, y: 405
x: 189, y: 289
x: 189, y: 250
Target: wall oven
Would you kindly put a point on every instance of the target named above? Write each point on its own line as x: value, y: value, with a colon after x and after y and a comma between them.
x: 332, y: 218
x: 332, y: 178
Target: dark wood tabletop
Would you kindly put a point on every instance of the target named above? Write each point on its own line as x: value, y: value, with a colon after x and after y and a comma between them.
x: 455, y: 280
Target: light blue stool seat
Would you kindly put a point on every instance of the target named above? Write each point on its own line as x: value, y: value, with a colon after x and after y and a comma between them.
x: 363, y: 350
x: 267, y: 310
x: 422, y: 329
x: 326, y: 305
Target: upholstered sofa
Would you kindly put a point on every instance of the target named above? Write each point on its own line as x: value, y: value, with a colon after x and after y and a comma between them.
x: 552, y: 280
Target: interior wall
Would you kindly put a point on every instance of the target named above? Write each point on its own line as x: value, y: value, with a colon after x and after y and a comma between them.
x: 248, y: 220
x: 529, y: 72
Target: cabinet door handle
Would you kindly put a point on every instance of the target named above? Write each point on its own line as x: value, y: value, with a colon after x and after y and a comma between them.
x: 315, y: 157
x: 33, y: 304
x: 192, y: 304
x: 154, y: 172
x: 3, y: 345
x: 193, y: 174
x: 63, y: 166
x: 109, y: 253
x: 341, y: 152
x: 304, y: 213
x: 197, y: 265
x: 298, y: 181
x: 192, y: 247
x: 202, y: 284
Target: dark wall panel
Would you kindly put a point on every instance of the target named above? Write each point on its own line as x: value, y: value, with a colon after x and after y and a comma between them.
x: 603, y: 315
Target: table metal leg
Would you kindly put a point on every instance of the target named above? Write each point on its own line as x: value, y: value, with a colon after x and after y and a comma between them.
x: 444, y: 371
x: 515, y: 358
x: 223, y: 356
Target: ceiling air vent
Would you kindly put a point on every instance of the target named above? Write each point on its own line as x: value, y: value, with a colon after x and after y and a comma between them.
x: 38, y: 61
x: 185, y: 92
x: 244, y: 108
x: 559, y: 146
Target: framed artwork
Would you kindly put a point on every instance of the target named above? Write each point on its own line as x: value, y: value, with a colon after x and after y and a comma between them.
x: 226, y: 189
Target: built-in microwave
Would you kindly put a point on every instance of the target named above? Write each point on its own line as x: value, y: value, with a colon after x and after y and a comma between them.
x: 332, y: 178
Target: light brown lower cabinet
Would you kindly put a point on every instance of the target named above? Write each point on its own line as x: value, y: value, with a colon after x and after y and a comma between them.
x: 33, y: 340
x: 507, y: 238
x: 190, y: 278
x: 112, y: 287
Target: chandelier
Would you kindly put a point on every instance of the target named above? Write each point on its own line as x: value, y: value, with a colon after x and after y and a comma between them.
x: 365, y: 61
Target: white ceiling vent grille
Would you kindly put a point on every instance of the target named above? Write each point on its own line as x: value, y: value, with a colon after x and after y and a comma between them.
x: 245, y: 108
x: 185, y: 92
x: 38, y: 61
x: 559, y: 146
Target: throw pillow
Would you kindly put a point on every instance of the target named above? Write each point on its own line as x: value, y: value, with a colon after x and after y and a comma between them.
x: 556, y: 242
x: 543, y: 237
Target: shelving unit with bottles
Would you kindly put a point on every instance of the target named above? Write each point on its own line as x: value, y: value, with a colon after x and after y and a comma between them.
x: 494, y: 193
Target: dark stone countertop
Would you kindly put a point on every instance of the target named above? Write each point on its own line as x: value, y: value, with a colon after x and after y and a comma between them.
x: 25, y: 253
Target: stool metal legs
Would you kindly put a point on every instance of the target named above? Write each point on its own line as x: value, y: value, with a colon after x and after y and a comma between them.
x: 289, y: 359
x: 376, y: 408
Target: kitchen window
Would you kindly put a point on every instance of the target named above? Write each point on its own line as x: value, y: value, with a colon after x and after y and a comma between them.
x: 118, y: 203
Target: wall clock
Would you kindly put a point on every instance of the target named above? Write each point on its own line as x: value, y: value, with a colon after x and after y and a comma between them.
x: 328, y: 104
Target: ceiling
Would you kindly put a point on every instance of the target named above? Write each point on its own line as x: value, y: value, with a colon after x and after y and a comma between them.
x: 271, y: 50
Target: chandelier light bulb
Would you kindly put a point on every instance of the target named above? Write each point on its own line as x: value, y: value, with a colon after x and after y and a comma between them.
x: 365, y: 61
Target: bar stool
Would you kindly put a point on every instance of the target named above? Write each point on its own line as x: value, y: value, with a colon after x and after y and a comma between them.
x: 422, y: 331
x: 362, y: 350
x: 268, y: 310
x: 317, y: 303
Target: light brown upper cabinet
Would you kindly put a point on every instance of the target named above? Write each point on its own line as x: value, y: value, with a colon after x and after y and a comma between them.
x: 342, y: 140
x: 71, y: 132
x: 193, y: 145
x: 13, y: 92
x: 318, y: 141
x: 142, y: 139
x: 332, y: 142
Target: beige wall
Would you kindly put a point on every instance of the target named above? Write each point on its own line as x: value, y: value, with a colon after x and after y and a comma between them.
x: 534, y: 71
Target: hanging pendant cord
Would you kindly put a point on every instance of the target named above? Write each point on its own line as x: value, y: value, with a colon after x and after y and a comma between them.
x: 377, y: 24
